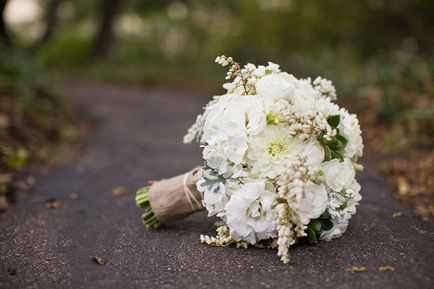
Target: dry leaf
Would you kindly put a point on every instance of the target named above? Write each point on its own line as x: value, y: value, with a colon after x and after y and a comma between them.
x: 396, y: 214
x: 99, y: 261
x: 403, y: 186
x: 355, y: 269
x: 53, y: 203
x: 118, y: 191
x: 386, y: 268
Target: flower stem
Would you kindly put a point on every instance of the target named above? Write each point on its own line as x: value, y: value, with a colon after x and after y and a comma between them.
x: 142, y: 201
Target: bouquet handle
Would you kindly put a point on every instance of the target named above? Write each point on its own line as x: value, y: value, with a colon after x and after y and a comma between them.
x: 171, y: 199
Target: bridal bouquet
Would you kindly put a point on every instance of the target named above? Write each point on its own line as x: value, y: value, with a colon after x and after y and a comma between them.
x: 280, y: 159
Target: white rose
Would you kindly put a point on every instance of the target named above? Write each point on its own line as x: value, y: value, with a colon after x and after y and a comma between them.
x: 314, y: 153
x: 273, y: 87
x: 249, y: 213
x: 338, y: 175
x: 314, y: 202
x: 234, y: 116
x: 305, y: 96
x: 350, y: 129
x: 304, y: 102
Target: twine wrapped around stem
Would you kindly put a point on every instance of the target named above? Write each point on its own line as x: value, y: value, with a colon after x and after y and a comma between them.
x: 170, y: 199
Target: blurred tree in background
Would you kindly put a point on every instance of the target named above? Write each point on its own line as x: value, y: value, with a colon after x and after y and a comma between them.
x: 379, y: 53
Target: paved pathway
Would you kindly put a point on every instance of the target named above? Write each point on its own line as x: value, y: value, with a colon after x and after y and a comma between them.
x: 138, y: 137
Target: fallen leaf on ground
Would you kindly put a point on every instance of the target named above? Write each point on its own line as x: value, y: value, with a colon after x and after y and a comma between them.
x: 355, y: 269
x: 53, y: 203
x: 50, y: 258
x: 99, y: 261
x: 118, y: 191
x: 5, y: 178
x: 403, y: 186
x: 386, y: 268
x: 396, y: 215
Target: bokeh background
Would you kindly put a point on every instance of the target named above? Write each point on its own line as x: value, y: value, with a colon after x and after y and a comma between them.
x: 379, y: 54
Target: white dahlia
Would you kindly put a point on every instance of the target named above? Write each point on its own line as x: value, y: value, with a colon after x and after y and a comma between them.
x: 271, y: 152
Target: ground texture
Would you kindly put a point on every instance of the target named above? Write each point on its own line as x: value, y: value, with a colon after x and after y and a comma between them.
x: 138, y: 137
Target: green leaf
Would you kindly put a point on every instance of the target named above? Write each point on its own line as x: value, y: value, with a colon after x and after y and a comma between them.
x: 327, y: 153
x: 336, y: 155
x: 315, y: 225
x: 326, y: 224
x: 342, y: 139
x: 334, y: 120
x: 311, y: 236
x: 324, y: 216
x: 333, y: 144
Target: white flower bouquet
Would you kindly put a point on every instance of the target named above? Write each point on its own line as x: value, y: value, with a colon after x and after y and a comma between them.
x: 280, y: 163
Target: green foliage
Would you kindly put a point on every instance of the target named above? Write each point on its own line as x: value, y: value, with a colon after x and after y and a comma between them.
x: 333, y: 148
x: 212, y: 179
x: 175, y: 42
x: 33, y: 118
x: 17, y: 158
x: 67, y: 52
x: 316, y: 227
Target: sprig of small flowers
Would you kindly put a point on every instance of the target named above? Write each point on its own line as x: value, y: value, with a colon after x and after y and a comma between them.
x: 242, y: 77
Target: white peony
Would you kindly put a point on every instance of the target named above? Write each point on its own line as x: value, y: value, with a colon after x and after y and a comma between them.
x: 271, y: 152
x: 233, y: 116
x: 273, y: 87
x: 349, y: 128
x: 249, y: 213
x: 314, y: 202
x: 338, y: 174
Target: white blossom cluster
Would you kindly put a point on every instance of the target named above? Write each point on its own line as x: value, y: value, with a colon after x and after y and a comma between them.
x: 280, y: 159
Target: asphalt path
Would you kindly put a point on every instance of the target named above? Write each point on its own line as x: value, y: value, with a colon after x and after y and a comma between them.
x: 138, y: 136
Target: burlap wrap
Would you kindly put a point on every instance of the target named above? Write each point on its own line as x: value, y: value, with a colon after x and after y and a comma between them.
x: 176, y: 198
